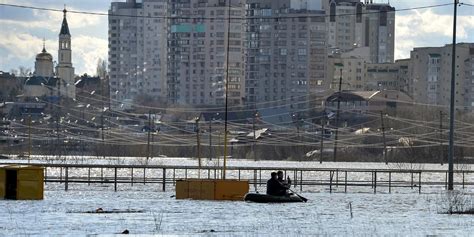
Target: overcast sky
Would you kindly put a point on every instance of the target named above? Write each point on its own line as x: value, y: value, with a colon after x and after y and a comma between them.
x: 22, y: 30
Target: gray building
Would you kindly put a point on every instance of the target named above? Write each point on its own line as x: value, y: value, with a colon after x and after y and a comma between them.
x: 286, y: 54
x: 469, y: 80
x: 137, y: 46
x: 197, y: 58
x: 430, y: 75
x: 353, y: 24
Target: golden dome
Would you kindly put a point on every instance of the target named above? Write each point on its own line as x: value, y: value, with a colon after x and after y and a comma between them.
x: 44, y: 55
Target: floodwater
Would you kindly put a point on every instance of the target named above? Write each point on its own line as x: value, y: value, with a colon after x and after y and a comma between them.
x: 155, y: 212
x: 358, y: 212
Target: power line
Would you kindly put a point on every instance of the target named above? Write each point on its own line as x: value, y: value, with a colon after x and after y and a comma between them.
x: 222, y: 18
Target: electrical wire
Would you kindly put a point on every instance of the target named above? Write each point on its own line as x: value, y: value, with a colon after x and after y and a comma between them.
x: 299, y: 15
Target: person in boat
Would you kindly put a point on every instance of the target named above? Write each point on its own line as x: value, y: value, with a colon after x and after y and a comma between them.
x: 286, y: 182
x: 274, y: 187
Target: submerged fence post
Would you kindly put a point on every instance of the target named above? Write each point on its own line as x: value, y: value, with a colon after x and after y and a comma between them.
x: 174, y: 177
x: 375, y: 182
x: 295, y: 177
x: 345, y: 181
x: 164, y: 179
x: 255, y: 179
x: 89, y: 176
x: 301, y: 180
x: 419, y: 182
x: 389, y: 182
x: 131, y: 176
x: 115, y: 179
x: 66, y: 179
x: 446, y: 181
x: 330, y: 181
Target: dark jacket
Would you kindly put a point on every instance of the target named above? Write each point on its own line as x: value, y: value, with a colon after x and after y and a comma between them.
x: 274, y: 187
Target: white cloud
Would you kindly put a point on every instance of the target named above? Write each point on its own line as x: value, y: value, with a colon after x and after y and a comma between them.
x: 21, y: 40
x: 425, y: 28
x: 427, y: 22
x: 24, y: 46
x: 86, y: 50
x: 51, y: 21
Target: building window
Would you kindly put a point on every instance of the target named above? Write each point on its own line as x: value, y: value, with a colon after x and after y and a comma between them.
x: 359, y: 13
x: 332, y: 12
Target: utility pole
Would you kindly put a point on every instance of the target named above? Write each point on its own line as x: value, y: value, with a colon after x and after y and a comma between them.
x: 153, y: 137
x: 451, y: 108
x: 82, y: 139
x: 148, y: 137
x: 210, y: 137
x: 337, y: 115
x: 58, y: 118
x: 29, y: 138
x: 102, y: 133
x: 224, y: 165
x: 383, y: 137
x: 198, y: 147
x: 441, y: 150
x: 152, y: 144
x: 323, y: 120
x: 219, y: 148
x: 254, y: 136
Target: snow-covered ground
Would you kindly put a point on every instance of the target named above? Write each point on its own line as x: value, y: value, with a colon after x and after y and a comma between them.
x: 62, y: 213
x: 404, y: 212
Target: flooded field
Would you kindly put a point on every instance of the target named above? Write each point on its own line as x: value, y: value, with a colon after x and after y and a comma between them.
x: 144, y: 209
x: 159, y: 213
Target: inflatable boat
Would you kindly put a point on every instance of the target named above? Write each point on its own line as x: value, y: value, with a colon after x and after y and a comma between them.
x: 264, y: 198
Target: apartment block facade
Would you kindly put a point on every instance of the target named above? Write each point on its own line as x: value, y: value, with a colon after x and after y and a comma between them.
x: 137, y: 46
x: 430, y: 73
x: 353, y: 24
x: 197, y: 58
x: 176, y: 50
x: 286, y: 54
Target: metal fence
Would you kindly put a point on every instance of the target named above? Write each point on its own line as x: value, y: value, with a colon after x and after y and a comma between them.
x: 303, y: 179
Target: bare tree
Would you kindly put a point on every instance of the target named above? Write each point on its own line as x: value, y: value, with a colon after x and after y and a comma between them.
x: 101, y: 70
x: 21, y: 71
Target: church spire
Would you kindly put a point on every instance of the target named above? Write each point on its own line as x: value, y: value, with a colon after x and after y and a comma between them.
x: 64, y: 26
x: 44, y: 46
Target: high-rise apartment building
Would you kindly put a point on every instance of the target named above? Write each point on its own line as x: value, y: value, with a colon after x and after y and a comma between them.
x: 200, y: 35
x: 286, y: 54
x: 430, y: 73
x: 380, y: 32
x: 359, y: 74
x: 469, y: 80
x: 353, y: 24
x: 137, y: 46
x: 351, y: 66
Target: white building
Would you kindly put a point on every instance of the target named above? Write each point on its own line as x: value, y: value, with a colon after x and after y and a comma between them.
x: 47, y: 82
x: 64, y: 69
